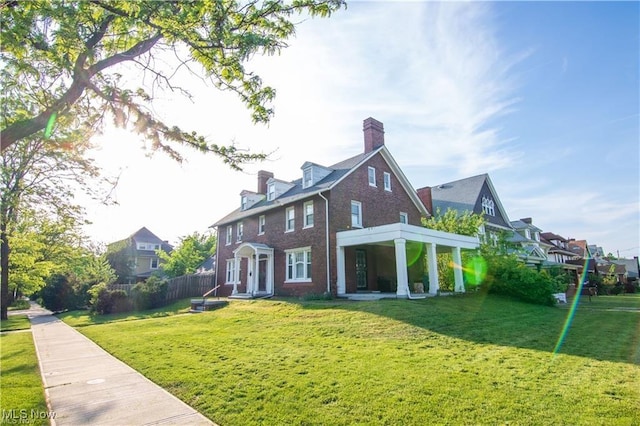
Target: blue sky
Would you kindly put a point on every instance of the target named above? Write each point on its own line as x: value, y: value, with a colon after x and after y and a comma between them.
x: 543, y: 96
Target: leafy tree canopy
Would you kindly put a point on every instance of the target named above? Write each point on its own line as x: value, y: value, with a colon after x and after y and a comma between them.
x: 466, y: 223
x: 190, y: 253
x: 64, y: 55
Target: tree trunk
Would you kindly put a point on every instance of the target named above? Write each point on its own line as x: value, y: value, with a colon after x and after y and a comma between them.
x: 4, y: 269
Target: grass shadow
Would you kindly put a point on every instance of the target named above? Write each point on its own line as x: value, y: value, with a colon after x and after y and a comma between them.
x: 606, y: 329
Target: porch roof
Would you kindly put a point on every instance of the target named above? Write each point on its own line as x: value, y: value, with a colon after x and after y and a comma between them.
x: 247, y: 249
x: 391, y: 232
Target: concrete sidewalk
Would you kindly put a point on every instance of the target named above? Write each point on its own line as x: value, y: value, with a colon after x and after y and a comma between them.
x: 87, y: 386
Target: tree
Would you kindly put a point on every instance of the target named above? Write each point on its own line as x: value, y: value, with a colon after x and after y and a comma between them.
x: 67, y: 56
x: 188, y: 255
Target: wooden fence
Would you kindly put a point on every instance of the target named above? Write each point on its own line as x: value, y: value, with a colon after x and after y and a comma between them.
x: 180, y: 287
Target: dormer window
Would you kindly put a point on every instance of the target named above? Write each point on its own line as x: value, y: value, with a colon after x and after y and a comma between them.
x: 243, y: 202
x: 271, y: 191
x: 307, y: 178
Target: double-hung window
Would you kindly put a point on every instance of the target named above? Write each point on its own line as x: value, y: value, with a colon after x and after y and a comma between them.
x: 261, y: 224
x: 154, y: 263
x: 404, y: 217
x: 229, y: 234
x: 231, y: 271
x: 308, y: 214
x: 290, y: 219
x: 356, y: 214
x: 299, y: 265
x: 240, y: 232
x: 387, y: 181
x: 372, y: 176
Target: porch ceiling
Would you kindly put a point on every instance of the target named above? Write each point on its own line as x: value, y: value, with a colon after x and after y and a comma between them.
x: 386, y: 234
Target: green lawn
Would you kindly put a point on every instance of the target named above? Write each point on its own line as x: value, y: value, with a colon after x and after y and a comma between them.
x: 15, y: 322
x: 20, y: 379
x: 466, y: 359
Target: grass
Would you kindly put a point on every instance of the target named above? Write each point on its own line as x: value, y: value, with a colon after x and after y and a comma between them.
x: 85, y: 318
x: 464, y: 359
x: 15, y: 322
x: 22, y: 389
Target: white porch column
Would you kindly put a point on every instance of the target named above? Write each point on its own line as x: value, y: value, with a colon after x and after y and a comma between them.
x: 432, y: 260
x: 236, y: 275
x: 340, y: 269
x: 457, y: 270
x: 270, y: 287
x: 256, y: 274
x: 401, y: 267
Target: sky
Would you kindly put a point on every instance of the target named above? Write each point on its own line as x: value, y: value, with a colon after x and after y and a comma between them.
x: 542, y: 96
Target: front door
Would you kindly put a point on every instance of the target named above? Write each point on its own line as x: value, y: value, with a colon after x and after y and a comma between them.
x: 262, y: 274
x: 361, y: 269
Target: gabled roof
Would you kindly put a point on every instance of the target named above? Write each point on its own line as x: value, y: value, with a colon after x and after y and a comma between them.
x: 339, y: 172
x: 463, y: 194
x: 143, y: 235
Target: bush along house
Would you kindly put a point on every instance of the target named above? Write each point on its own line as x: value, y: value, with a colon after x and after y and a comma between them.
x: 353, y: 227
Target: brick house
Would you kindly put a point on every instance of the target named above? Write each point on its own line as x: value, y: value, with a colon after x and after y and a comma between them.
x: 351, y: 227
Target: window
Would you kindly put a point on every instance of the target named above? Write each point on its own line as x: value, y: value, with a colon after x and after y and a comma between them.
x: 488, y: 207
x: 243, y: 202
x: 372, y: 176
x: 261, y: 224
x: 308, y: 214
x: 387, y: 181
x: 299, y: 265
x: 527, y: 234
x: 404, y: 218
x: 307, y: 178
x: 271, y: 191
x: 356, y: 214
x: 147, y: 246
x: 239, y: 232
x: 231, y: 271
x: 229, y: 234
x: 154, y: 263
x: 290, y: 219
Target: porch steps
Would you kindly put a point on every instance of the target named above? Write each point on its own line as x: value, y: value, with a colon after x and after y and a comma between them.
x: 198, y: 305
x: 249, y: 296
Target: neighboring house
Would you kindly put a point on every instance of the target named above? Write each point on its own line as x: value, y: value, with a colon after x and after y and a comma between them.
x: 632, y: 267
x: 208, y: 266
x: 610, y: 269
x: 475, y: 195
x: 531, y: 248
x: 134, y: 258
x: 347, y: 228
x: 558, y: 253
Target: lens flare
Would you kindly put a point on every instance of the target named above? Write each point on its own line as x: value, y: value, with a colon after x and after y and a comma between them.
x: 572, y: 310
x: 49, y: 129
x: 414, y: 252
x: 475, y: 270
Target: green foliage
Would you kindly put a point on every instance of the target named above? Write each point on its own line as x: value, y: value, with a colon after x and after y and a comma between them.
x: 106, y: 301
x: 561, y: 278
x: 188, y: 255
x: 466, y: 223
x: 507, y: 276
x: 66, y: 55
x: 149, y: 294
x: 119, y: 256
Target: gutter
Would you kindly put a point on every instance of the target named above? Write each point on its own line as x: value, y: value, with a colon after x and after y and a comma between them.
x: 326, y: 222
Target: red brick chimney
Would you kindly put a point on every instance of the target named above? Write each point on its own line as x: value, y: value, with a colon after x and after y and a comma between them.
x: 263, y: 177
x: 425, y: 196
x: 373, y: 134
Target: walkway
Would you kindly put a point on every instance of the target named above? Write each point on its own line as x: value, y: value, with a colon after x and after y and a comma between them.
x: 85, y: 385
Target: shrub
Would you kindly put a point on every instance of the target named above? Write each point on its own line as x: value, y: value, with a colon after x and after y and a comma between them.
x: 59, y: 295
x: 105, y: 301
x: 507, y: 276
x: 149, y: 294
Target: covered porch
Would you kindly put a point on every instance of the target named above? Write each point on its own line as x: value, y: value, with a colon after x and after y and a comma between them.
x: 395, y: 241
x: 258, y: 278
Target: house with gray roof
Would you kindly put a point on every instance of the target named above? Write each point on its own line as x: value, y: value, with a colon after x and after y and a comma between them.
x: 343, y: 229
x: 135, y: 258
x: 474, y: 194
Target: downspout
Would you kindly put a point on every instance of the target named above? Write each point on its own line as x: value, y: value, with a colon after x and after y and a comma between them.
x: 326, y: 223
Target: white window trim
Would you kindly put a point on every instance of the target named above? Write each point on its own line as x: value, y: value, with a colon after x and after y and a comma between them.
x: 405, y: 216
x: 359, y: 205
x: 271, y: 191
x: 371, y: 173
x: 304, y: 215
x: 387, y: 181
x: 286, y: 219
x: 262, y: 224
x: 243, y: 202
x: 304, y: 250
x: 229, y: 235
x: 307, y: 183
x: 151, y: 263
x: 239, y: 232
x: 231, y: 267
